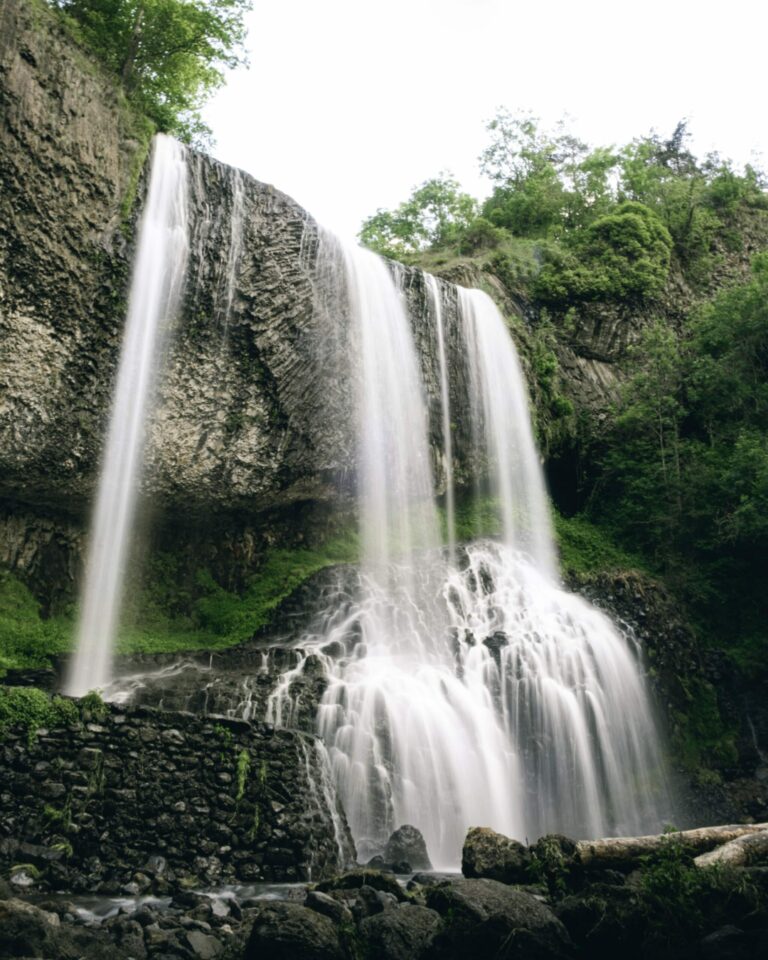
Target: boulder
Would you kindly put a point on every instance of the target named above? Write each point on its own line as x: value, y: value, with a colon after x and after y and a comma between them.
x: 486, y: 918
x: 406, y: 933
x: 290, y: 931
x: 28, y: 931
x: 493, y: 856
x: 364, y: 878
x: 407, y: 845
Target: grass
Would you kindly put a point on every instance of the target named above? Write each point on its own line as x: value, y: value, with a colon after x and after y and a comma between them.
x: 585, y: 548
x: 179, y: 610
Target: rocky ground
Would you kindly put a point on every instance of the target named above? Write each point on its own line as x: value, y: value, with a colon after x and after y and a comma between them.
x: 554, y: 899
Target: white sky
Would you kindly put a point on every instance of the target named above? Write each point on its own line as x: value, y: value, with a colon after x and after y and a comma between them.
x: 349, y: 104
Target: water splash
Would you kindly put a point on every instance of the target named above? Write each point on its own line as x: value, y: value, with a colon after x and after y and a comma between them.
x: 477, y: 692
x: 156, y: 286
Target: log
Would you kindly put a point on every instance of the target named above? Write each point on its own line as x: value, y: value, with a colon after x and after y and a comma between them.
x: 625, y: 851
x: 742, y: 852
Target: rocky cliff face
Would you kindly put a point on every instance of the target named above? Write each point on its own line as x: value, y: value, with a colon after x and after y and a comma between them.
x: 253, y: 425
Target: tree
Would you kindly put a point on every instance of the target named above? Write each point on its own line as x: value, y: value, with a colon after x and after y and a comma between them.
x: 169, y: 54
x: 435, y: 214
x: 546, y: 181
x: 623, y: 255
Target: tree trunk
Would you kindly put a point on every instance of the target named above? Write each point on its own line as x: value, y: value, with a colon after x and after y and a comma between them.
x: 741, y: 852
x: 624, y: 851
x: 126, y: 71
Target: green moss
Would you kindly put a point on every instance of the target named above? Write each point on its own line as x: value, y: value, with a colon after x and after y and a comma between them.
x: 586, y: 548
x: 701, y: 738
x: 141, y: 129
x: 172, y: 614
x: 243, y: 767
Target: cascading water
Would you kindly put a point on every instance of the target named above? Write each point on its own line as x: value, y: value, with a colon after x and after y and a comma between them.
x: 477, y: 693
x: 156, y: 286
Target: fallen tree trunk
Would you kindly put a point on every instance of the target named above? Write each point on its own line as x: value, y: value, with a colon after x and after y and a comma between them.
x: 622, y: 851
x: 741, y: 852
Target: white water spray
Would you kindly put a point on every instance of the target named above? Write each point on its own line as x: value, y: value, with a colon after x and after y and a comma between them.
x: 479, y: 693
x: 156, y: 286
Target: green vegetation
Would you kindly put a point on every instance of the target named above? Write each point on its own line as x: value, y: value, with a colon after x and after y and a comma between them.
x: 171, y: 609
x: 243, y: 767
x: 32, y: 709
x: 437, y: 213
x: 682, y: 902
x: 685, y: 467
x: 587, y: 548
x: 26, y: 640
x: 605, y: 224
x: 169, y: 55
x: 179, y: 611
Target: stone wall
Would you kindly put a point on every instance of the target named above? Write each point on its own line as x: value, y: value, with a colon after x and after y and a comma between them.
x: 142, y: 799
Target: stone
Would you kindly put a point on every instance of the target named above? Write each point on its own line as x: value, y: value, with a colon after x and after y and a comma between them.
x: 407, y: 844
x: 489, y: 918
x: 355, y: 879
x: 493, y: 856
x: 289, y: 931
x: 406, y: 933
x: 328, y: 906
x: 203, y: 945
x: 27, y: 931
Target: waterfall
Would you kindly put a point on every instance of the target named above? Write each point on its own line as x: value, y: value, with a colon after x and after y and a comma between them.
x: 471, y: 689
x: 498, y: 404
x: 397, y: 510
x: 156, y: 286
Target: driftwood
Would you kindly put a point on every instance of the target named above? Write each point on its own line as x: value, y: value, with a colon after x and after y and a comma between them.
x: 741, y: 852
x: 622, y: 851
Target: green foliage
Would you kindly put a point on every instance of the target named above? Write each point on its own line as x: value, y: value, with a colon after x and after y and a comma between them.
x: 622, y: 256
x: 168, y: 54
x: 480, y: 234
x: 682, y: 902
x: 243, y: 767
x: 701, y: 739
x: 436, y: 214
x: 93, y: 708
x: 546, y: 181
x: 176, y: 611
x: 32, y: 709
x: 586, y: 548
x: 684, y: 482
x: 26, y: 640
x: 549, y: 866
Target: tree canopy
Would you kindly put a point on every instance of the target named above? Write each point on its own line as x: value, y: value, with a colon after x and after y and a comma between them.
x: 435, y: 214
x: 169, y: 54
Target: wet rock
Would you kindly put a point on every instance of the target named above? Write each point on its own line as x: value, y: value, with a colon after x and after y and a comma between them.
x: 732, y: 943
x: 328, y: 906
x: 27, y: 931
x: 289, y: 931
x: 405, y: 933
x: 359, y: 878
x: 486, y: 918
x: 604, y: 920
x: 407, y: 845
x: 493, y: 856
x: 203, y: 945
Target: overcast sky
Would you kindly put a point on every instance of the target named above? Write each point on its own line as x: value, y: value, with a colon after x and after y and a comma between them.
x: 349, y: 104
